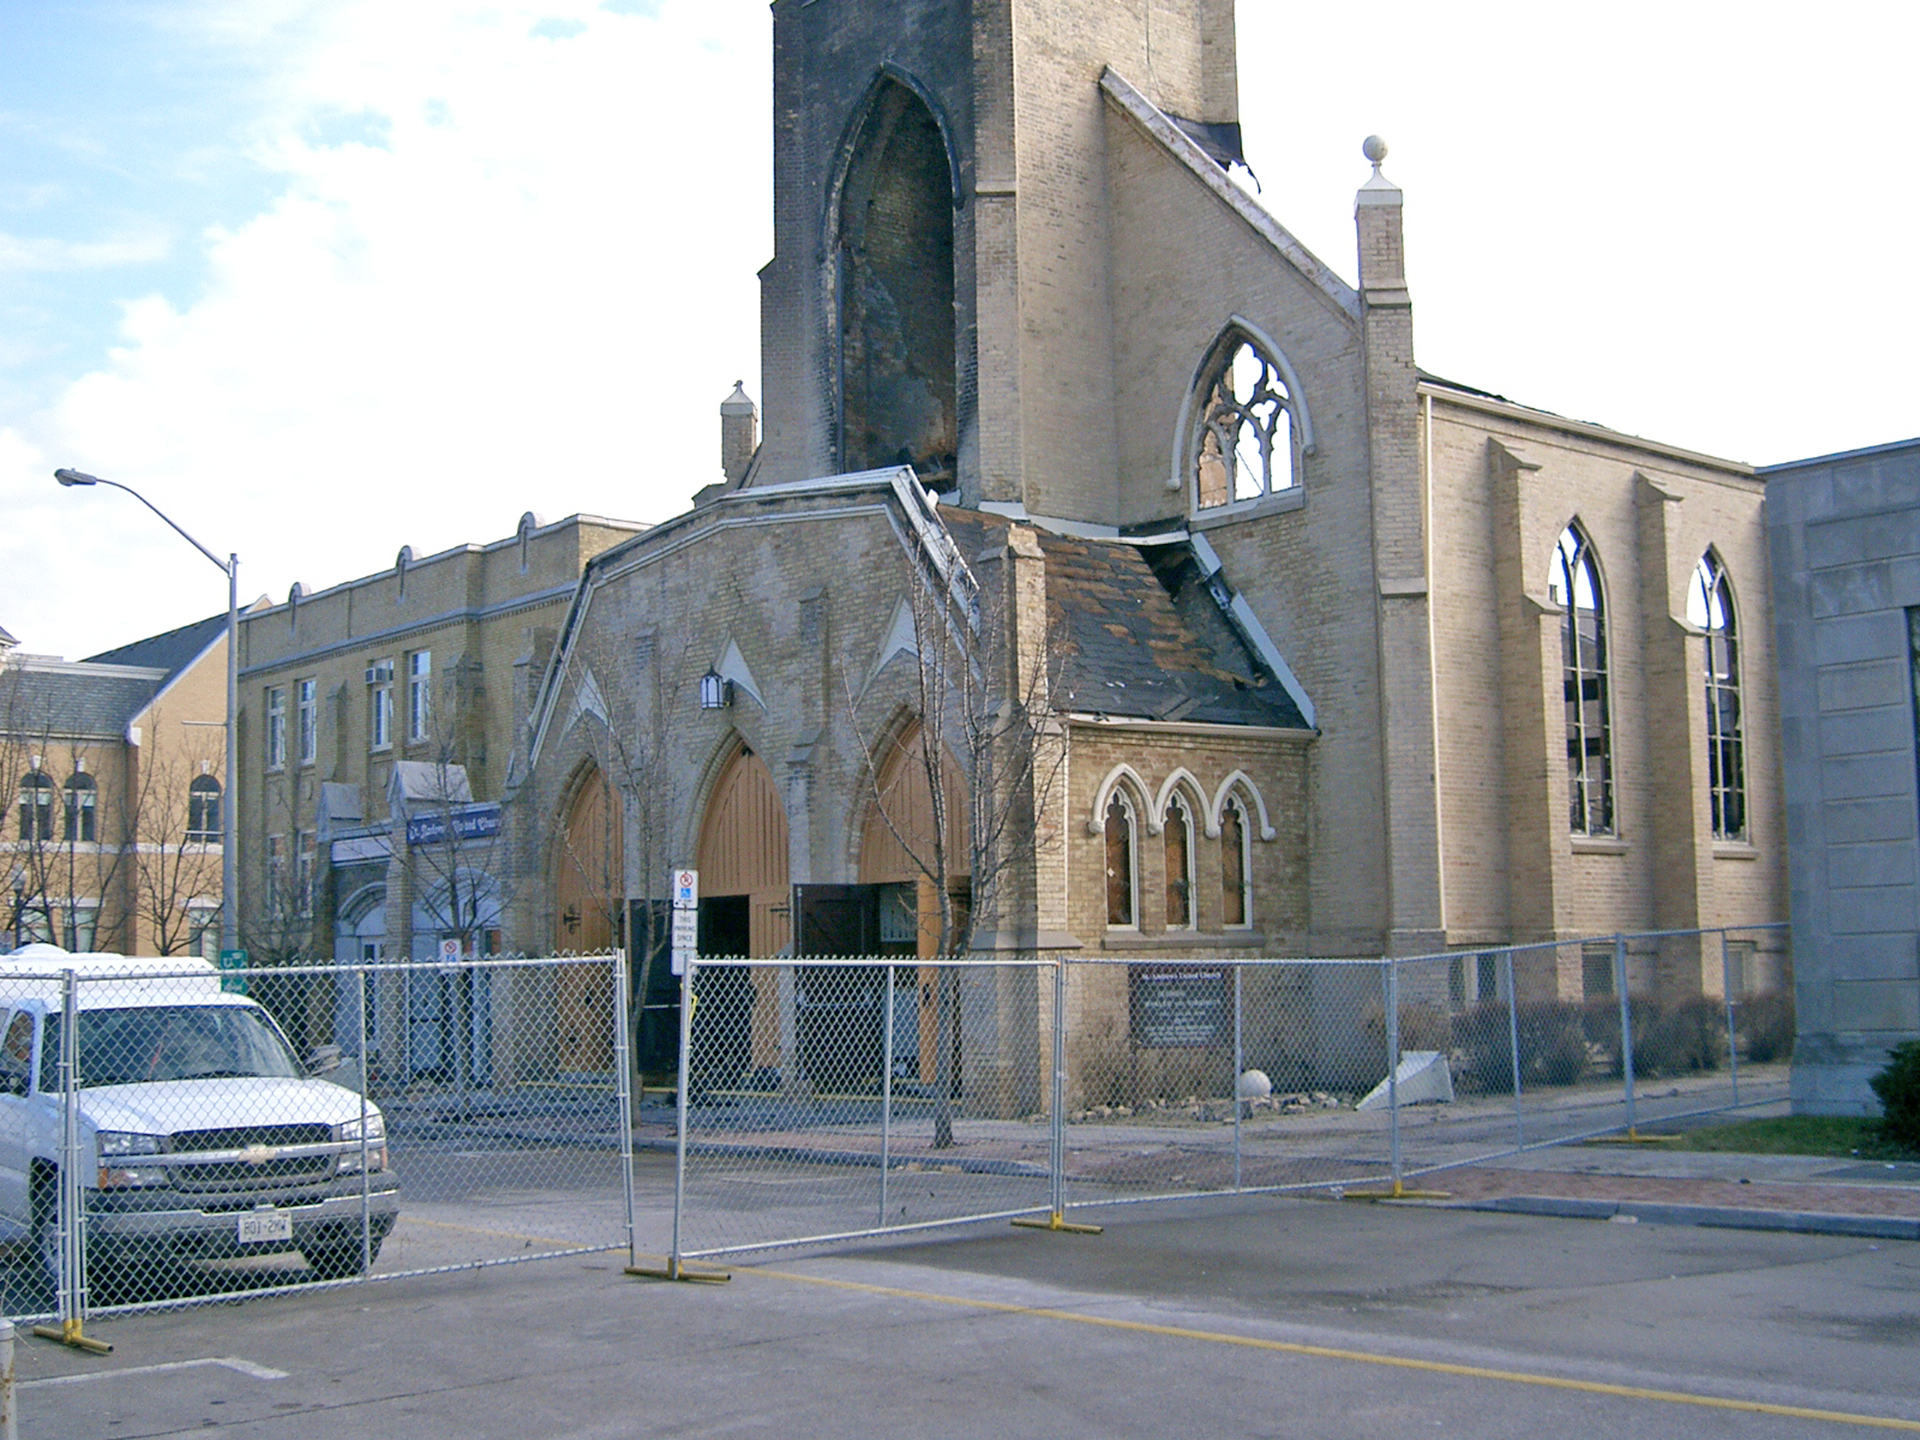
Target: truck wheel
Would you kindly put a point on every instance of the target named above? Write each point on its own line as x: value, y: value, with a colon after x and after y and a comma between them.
x: 339, y: 1262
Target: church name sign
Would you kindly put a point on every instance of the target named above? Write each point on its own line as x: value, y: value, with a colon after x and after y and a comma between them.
x: 467, y: 822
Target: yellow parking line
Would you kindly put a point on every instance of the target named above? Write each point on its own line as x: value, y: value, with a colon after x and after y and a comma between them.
x: 1364, y: 1357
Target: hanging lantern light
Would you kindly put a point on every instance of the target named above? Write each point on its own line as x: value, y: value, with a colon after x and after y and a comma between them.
x: 713, y: 691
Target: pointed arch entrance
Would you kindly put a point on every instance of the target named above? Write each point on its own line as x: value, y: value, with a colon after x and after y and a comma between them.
x: 745, y: 909
x: 896, y: 850
x: 587, y: 892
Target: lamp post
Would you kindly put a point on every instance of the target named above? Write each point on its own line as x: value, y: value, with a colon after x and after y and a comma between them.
x: 229, y: 812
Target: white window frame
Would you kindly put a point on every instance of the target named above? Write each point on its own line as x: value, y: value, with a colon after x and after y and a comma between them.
x: 380, y: 709
x: 419, y: 695
x: 306, y: 697
x: 276, y: 727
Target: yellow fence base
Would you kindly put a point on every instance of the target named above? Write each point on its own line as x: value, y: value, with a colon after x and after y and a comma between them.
x: 68, y: 1332
x: 1060, y: 1224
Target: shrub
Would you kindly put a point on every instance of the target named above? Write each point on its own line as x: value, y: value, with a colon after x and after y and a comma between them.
x: 1690, y: 1036
x: 1553, y: 1046
x: 1898, y: 1087
x: 1422, y: 1027
x: 1764, y: 1024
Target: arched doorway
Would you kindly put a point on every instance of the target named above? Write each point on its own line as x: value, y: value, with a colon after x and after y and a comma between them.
x: 745, y: 909
x: 896, y: 850
x: 587, y: 893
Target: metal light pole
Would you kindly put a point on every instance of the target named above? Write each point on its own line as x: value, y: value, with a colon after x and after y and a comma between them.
x: 229, y: 811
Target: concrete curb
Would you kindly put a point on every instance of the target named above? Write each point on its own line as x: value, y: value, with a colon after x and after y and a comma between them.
x: 1724, y: 1217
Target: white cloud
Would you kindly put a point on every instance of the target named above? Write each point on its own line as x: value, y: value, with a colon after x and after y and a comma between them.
x: 533, y: 296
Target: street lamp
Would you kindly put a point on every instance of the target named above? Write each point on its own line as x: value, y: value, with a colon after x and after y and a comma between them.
x: 229, y: 814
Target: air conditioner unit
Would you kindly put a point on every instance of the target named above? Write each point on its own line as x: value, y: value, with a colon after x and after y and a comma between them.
x: 380, y: 673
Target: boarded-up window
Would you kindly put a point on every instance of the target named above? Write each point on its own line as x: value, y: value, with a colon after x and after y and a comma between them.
x: 1179, y: 837
x: 1120, y: 878
x: 895, y: 278
x: 1233, y: 864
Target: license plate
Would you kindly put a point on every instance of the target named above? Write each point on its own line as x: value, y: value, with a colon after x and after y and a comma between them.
x: 265, y: 1225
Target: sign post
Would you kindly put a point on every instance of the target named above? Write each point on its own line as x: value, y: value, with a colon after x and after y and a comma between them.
x: 686, y: 918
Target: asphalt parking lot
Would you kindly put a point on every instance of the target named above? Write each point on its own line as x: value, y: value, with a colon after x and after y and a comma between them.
x: 1257, y: 1317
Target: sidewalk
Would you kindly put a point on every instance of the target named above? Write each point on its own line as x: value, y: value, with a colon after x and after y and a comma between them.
x: 1660, y: 1184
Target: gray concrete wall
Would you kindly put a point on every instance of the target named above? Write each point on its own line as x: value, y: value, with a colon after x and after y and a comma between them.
x: 1845, y: 532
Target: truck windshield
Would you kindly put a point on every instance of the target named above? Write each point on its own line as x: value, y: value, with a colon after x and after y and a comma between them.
x: 169, y: 1042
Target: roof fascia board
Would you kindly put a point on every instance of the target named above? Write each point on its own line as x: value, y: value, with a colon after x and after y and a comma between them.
x: 177, y: 676
x: 1177, y: 143
x: 1189, y: 727
x: 1507, y: 409
x: 673, y: 537
x: 1256, y: 635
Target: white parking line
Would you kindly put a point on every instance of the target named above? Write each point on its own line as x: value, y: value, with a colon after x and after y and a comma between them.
x: 227, y: 1362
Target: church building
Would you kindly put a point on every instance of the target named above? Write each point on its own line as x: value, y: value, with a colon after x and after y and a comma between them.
x: 1109, y: 579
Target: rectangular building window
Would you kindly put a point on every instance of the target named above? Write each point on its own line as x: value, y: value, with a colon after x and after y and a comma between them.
x: 276, y: 727
x: 419, y: 694
x: 380, y: 705
x: 306, y: 701
x: 302, y: 873
x: 276, y: 873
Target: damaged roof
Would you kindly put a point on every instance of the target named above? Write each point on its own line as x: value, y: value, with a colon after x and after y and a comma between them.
x: 1142, y: 636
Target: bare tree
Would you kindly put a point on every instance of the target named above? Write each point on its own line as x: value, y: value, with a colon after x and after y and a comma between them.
x: 986, y: 663
x: 175, y: 862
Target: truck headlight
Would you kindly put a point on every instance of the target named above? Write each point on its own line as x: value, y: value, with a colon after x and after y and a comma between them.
x: 376, y: 1137
x: 119, y: 1168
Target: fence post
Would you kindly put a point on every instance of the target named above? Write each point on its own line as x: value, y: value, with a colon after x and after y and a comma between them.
x: 1057, y: 1161
x: 623, y: 1081
x: 73, y: 1243
x: 680, y: 1105
x: 1239, y: 1069
x: 366, y: 1180
x: 1513, y: 1049
x: 9, y: 1424
x: 1726, y: 990
x: 70, y: 1216
x: 1626, y: 1027
x: 886, y: 1099
x: 1391, y: 981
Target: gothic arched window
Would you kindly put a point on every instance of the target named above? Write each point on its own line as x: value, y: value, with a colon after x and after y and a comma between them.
x: 1121, y: 877
x: 1234, y: 870
x: 36, y: 806
x: 203, y: 809
x: 1246, y: 443
x: 1710, y: 606
x: 895, y: 291
x: 1178, y: 832
x: 1574, y: 583
x: 82, y: 795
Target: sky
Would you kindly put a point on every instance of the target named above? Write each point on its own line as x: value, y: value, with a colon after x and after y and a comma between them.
x: 322, y: 278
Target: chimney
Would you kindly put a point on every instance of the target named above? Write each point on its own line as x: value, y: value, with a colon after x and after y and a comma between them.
x: 739, y: 433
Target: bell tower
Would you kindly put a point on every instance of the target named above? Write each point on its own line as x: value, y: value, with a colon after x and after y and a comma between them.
x: 938, y: 294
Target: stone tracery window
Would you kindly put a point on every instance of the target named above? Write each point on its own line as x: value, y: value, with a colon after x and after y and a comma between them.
x: 1234, y: 868
x: 1245, y: 447
x: 1710, y: 606
x: 1574, y: 583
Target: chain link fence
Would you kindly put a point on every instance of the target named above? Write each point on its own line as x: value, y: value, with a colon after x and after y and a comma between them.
x: 818, y: 1107
x: 163, y: 1142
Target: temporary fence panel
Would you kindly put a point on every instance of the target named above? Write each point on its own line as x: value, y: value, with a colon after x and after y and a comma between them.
x: 828, y: 1099
x: 175, y: 1147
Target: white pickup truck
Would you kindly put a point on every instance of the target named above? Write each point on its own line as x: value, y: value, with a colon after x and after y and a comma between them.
x: 201, y: 1135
